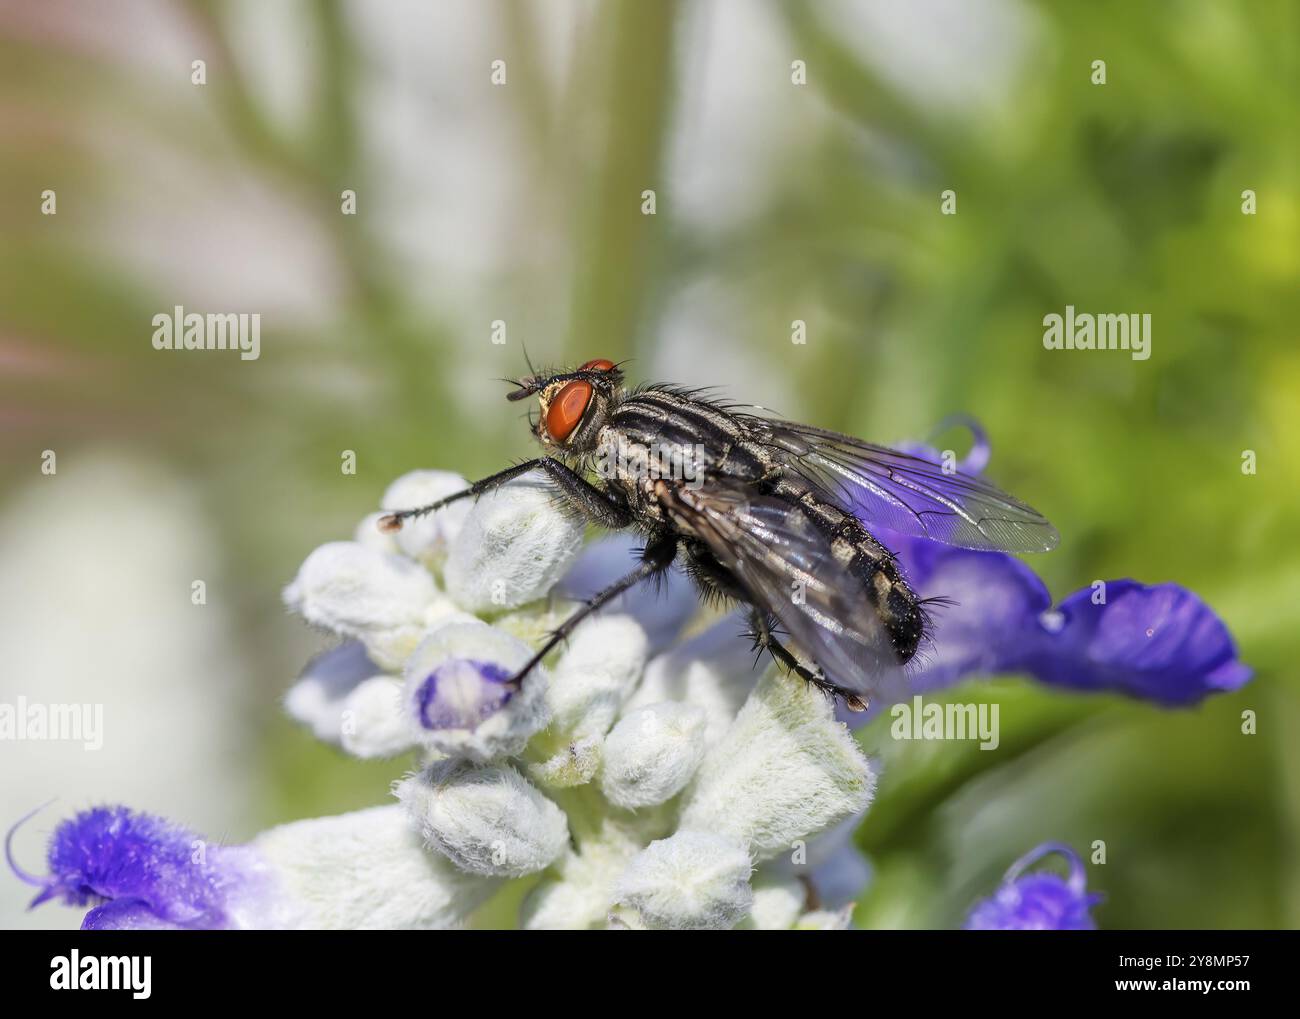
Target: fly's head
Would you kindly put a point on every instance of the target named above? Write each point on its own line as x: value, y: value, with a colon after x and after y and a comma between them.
x: 573, y: 405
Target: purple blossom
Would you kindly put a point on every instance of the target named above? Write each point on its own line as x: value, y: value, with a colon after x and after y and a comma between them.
x: 137, y: 870
x: 461, y: 693
x: 993, y: 614
x: 1040, y: 901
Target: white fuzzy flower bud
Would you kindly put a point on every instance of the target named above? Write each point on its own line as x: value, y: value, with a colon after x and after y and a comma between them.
x: 580, y: 894
x: 373, y: 722
x: 381, y: 600
x: 784, y: 770
x: 689, y: 880
x: 591, y: 681
x: 366, y: 870
x: 316, y: 698
x: 652, y: 753
x: 458, y: 692
x: 369, y: 534
x: 714, y: 670
x: 777, y: 905
x: 826, y: 920
x: 514, y: 545
x: 486, y: 820
x: 564, y: 906
x: 428, y: 538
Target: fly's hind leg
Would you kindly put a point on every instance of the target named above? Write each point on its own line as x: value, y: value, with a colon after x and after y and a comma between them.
x: 766, y: 640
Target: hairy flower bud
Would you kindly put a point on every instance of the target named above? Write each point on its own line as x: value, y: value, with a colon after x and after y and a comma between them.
x: 373, y: 722
x: 689, y: 880
x: 487, y: 820
x: 459, y: 693
x: 784, y: 770
x: 652, y: 753
x: 514, y: 545
x: 427, y: 538
x: 380, y: 599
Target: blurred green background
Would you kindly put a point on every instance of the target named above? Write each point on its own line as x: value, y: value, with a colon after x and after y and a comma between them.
x: 522, y: 203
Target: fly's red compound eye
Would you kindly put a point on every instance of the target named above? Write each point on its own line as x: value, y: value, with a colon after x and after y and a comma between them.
x: 598, y: 365
x: 566, y: 410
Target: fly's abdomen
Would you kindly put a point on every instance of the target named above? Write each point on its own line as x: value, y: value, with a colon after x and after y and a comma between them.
x: 886, y: 592
x: 899, y: 607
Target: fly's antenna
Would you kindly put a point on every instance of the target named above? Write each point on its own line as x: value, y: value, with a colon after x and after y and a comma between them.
x: 526, y: 388
x: 528, y: 385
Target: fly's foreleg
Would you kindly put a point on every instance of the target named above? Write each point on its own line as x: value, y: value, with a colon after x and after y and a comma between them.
x: 391, y: 522
x: 657, y: 557
x: 765, y: 640
x: 594, y: 503
x: 591, y: 501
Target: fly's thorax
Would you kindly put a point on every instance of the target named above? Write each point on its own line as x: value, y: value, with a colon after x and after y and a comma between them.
x: 638, y: 463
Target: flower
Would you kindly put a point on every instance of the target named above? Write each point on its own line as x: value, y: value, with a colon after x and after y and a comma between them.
x: 652, y: 753
x: 136, y: 869
x: 366, y: 869
x: 636, y: 779
x: 1039, y: 901
x: 459, y: 696
x: 486, y: 820
x: 689, y: 880
x: 992, y: 614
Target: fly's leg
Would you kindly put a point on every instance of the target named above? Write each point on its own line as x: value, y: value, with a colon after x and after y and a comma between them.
x: 765, y: 640
x: 391, y: 522
x: 594, y: 503
x: 657, y: 557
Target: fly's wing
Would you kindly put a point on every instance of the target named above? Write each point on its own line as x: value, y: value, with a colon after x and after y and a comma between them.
x: 786, y: 565
x: 905, y: 493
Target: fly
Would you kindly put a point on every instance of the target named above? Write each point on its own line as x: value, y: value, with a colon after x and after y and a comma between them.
x: 760, y: 511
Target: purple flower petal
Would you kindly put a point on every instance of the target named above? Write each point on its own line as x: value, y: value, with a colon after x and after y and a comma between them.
x: 460, y: 693
x: 985, y: 604
x: 137, y: 870
x: 1160, y: 643
x: 1039, y: 901
x: 991, y: 614
x: 976, y: 458
x: 125, y: 915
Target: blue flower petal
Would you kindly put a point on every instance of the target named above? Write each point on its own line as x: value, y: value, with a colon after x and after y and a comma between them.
x: 125, y: 915
x: 1160, y: 643
x: 985, y: 604
x: 1039, y: 901
x: 137, y: 870
x: 991, y: 614
x: 460, y: 693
